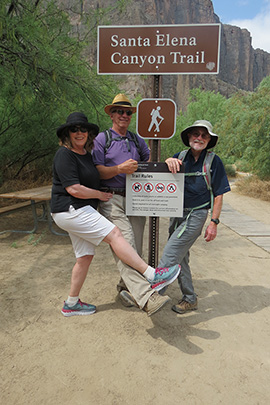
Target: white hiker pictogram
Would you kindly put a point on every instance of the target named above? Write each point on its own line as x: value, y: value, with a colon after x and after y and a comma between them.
x: 155, y: 116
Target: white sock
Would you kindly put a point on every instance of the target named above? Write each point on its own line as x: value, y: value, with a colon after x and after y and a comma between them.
x: 149, y: 273
x: 71, y: 301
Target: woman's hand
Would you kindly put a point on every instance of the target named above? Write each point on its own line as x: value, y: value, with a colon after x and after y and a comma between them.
x: 105, y: 196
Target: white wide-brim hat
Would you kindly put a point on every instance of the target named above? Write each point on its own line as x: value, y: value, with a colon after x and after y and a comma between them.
x: 204, y: 124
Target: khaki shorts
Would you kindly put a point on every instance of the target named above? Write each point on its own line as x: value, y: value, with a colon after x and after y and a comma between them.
x: 86, y: 227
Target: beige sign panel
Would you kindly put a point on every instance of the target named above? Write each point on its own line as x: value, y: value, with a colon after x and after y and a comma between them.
x: 156, y: 118
x: 159, y: 49
x: 154, y: 191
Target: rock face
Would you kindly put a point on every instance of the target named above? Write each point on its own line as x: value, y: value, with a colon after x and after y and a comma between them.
x: 241, y: 66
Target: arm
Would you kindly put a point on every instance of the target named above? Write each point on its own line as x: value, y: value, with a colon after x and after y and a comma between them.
x: 79, y: 191
x: 211, y: 230
x: 107, y: 172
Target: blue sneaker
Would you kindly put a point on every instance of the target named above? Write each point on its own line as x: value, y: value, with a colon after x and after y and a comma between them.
x: 165, y: 276
x: 81, y: 308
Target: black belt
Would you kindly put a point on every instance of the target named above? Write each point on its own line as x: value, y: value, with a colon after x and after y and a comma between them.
x: 118, y: 191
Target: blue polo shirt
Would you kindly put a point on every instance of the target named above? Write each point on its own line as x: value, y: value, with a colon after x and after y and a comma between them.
x: 196, y: 192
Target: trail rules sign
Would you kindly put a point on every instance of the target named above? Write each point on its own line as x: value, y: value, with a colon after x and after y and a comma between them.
x: 159, y: 49
x: 154, y: 191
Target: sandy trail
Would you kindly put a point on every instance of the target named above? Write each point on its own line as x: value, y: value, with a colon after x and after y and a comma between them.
x: 216, y: 355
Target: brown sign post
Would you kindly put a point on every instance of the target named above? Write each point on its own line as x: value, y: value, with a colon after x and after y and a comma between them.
x: 159, y: 49
x: 156, y: 119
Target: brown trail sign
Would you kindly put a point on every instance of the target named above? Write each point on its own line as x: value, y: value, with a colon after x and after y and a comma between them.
x: 159, y: 49
x: 156, y: 118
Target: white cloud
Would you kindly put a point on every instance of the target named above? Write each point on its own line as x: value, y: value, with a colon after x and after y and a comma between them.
x: 259, y: 28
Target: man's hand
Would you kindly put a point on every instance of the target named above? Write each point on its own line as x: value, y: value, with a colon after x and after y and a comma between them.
x: 174, y: 165
x: 210, y: 232
x: 128, y: 167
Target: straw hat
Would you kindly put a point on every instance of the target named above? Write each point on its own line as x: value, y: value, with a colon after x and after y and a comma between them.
x: 77, y: 118
x: 200, y: 123
x: 119, y: 101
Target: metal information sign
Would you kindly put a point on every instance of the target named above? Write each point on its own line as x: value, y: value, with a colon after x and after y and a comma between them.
x: 154, y: 191
x: 156, y: 118
x: 159, y: 49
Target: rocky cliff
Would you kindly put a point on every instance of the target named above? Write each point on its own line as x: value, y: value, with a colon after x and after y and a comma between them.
x: 241, y: 66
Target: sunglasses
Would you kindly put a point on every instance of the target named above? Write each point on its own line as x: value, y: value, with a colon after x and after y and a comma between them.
x: 122, y: 112
x: 77, y: 129
x: 196, y: 134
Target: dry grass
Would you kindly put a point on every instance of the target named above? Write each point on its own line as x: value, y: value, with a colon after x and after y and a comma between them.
x: 253, y: 187
x: 21, y: 184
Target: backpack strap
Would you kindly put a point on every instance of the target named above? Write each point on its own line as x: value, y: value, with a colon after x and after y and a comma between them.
x: 207, y: 168
x: 187, y: 218
x: 109, y: 139
x: 182, y: 155
x: 134, y: 138
x: 206, y: 173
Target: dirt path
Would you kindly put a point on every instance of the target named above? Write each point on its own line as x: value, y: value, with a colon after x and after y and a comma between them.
x: 216, y: 355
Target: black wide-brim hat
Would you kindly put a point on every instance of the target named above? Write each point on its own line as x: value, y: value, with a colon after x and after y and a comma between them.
x: 200, y: 123
x: 78, y: 118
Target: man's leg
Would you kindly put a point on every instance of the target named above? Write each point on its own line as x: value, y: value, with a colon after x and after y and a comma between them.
x: 177, y: 250
x: 139, y: 287
x: 138, y: 225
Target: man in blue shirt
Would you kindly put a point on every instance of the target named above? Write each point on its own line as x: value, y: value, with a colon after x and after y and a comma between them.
x: 197, y: 201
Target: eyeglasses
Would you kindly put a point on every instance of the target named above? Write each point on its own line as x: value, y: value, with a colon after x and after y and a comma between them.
x: 122, y: 112
x: 78, y: 129
x: 202, y: 134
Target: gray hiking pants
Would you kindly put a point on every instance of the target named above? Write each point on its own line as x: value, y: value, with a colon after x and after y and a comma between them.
x: 177, y: 249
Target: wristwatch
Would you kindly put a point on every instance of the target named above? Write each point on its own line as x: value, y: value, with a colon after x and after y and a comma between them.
x: 215, y: 220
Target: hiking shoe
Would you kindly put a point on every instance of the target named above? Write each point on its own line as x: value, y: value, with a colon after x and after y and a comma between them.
x: 155, y: 302
x: 127, y: 299
x: 81, y: 308
x: 183, y: 306
x: 121, y: 285
x: 165, y: 276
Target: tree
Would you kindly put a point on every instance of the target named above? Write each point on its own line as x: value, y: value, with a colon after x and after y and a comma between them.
x: 245, y: 131
x: 44, y: 75
x: 242, y: 123
x: 206, y: 105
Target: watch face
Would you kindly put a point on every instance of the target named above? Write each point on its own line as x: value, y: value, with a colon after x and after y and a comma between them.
x: 215, y: 220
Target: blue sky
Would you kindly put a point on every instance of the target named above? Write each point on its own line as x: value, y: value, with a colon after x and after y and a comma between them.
x: 254, y: 15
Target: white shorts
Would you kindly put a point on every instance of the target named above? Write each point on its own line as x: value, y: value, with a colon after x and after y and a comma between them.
x: 86, y: 227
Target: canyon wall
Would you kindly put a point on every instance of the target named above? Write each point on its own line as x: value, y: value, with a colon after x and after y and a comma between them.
x: 241, y: 66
